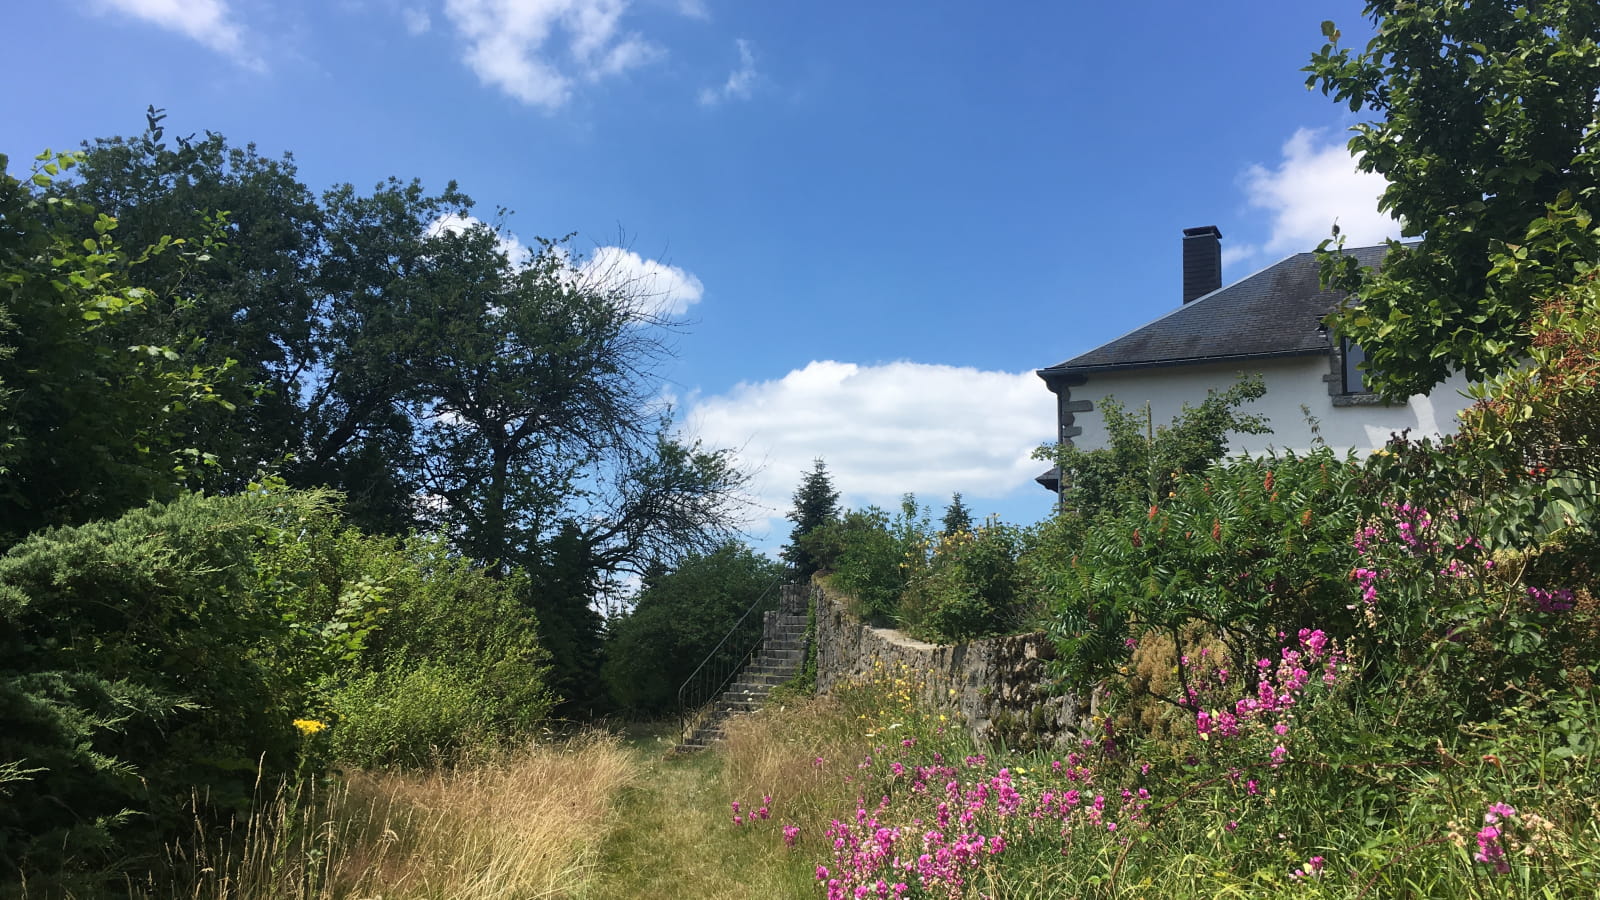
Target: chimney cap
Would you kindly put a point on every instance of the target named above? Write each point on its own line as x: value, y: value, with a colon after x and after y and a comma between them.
x: 1203, y: 231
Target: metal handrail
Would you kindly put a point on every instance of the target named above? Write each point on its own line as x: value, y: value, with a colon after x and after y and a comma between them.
x: 694, y: 705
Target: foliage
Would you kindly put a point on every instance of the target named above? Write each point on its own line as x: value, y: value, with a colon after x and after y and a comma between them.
x: 201, y: 649
x: 415, y: 652
x: 871, y: 557
x: 89, y: 362
x: 1247, y: 549
x: 1536, y: 426
x: 970, y: 587
x: 1140, y: 459
x: 957, y: 517
x: 139, y: 669
x: 402, y: 349
x: 680, y: 617
x: 816, y: 504
x: 254, y: 298
x: 1486, y: 138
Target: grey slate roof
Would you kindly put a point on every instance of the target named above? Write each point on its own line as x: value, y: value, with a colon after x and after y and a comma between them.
x: 1274, y: 312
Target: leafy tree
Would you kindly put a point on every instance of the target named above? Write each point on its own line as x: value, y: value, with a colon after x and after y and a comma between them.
x: 957, y: 518
x: 1487, y: 138
x: 872, y: 556
x: 101, y: 397
x: 679, y: 618
x: 253, y: 299
x: 403, y: 357
x: 1139, y: 464
x: 816, y: 503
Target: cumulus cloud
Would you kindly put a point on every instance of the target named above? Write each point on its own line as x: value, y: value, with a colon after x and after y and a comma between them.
x: 662, y: 290
x: 459, y: 223
x: 694, y: 9
x: 665, y: 290
x: 883, y: 430
x: 209, y: 22
x: 741, y: 81
x: 1315, y: 184
x: 534, y: 50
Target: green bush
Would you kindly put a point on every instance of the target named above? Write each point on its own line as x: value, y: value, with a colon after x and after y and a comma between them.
x: 680, y: 617
x: 971, y: 587
x: 871, y: 557
x: 138, y: 671
x: 410, y: 715
x: 1250, y: 548
x: 388, y: 619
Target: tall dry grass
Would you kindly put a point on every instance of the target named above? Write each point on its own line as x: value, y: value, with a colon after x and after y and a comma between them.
x: 776, y: 752
x: 522, y: 824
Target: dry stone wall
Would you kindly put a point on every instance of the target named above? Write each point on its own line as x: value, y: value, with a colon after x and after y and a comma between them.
x: 1000, y: 686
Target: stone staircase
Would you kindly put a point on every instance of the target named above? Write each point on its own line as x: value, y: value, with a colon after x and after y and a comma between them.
x: 776, y: 659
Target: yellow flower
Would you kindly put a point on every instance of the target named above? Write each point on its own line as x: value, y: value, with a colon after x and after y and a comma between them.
x: 308, y: 727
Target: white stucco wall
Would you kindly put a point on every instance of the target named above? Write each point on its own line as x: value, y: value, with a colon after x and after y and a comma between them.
x: 1290, y: 383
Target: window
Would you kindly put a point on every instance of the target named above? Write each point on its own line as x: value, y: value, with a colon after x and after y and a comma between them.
x: 1352, y: 379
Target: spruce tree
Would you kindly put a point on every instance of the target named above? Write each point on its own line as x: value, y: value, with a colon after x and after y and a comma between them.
x: 816, y: 503
x: 957, y: 518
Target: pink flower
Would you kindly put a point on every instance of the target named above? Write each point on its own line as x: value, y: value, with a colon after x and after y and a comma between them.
x: 791, y: 833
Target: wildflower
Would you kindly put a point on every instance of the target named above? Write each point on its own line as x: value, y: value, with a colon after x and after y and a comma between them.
x: 1312, y: 868
x: 308, y: 727
x: 791, y: 833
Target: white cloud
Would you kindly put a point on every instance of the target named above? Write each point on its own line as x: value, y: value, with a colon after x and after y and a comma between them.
x: 459, y: 223
x: 883, y: 430
x: 416, y: 19
x: 740, y: 81
x: 662, y: 290
x: 516, y: 45
x: 208, y: 22
x: 694, y: 9
x: 1315, y: 184
x: 665, y: 290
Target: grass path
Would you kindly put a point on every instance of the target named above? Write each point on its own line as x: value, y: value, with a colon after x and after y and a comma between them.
x: 673, y: 837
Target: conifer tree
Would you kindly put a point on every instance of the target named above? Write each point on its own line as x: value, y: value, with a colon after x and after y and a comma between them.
x: 816, y: 503
x: 957, y: 518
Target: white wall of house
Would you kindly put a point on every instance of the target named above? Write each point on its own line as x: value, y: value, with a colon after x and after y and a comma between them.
x: 1290, y: 383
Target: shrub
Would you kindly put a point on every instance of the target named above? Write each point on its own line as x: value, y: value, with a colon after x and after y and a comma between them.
x: 1251, y: 548
x: 970, y: 588
x: 872, y: 557
x: 682, y: 616
x: 388, y: 621
x: 137, y: 670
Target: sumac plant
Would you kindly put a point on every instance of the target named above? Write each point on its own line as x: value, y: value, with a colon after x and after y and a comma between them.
x: 1237, y: 555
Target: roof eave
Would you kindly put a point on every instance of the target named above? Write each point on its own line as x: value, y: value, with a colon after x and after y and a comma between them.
x: 1062, y: 371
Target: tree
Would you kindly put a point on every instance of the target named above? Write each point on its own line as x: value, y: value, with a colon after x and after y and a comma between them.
x: 100, y: 395
x: 1487, y: 136
x: 402, y: 354
x: 679, y: 618
x: 957, y: 518
x: 1140, y: 463
x: 816, y: 503
x: 253, y: 299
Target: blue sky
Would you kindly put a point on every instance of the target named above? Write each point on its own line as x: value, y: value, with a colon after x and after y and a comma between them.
x: 877, y: 219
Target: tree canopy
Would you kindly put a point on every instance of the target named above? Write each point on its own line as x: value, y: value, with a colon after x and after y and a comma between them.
x: 389, y: 345
x: 1488, y: 137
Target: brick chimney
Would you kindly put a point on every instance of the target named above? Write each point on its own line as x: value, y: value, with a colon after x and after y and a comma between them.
x: 1202, y: 261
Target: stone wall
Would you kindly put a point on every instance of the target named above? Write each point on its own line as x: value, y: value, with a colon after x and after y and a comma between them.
x: 1001, y: 685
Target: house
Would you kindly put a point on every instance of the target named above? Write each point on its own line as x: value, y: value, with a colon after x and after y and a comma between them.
x: 1269, y: 323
